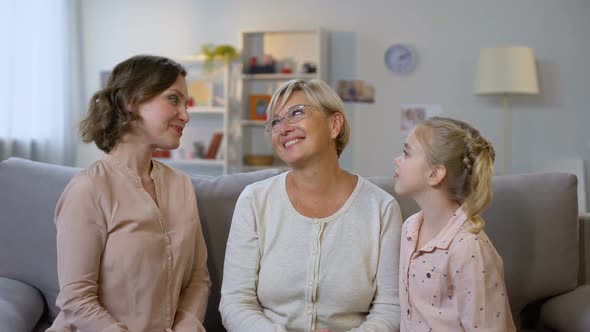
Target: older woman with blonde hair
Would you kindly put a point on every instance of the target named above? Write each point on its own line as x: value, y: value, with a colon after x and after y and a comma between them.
x: 315, y: 248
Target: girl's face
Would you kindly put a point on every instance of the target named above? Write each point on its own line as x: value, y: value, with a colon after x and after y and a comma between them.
x: 162, y: 118
x: 412, y: 169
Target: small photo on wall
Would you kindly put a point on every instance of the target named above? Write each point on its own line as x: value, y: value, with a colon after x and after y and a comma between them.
x: 411, y: 115
x: 201, y: 92
x: 356, y: 91
x: 258, y: 105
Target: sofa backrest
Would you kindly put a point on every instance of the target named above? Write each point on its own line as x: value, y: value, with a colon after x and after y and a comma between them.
x: 532, y: 221
x: 216, y: 198
x: 29, y: 192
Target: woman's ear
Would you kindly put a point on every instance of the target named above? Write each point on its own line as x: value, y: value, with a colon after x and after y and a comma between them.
x: 437, y: 175
x: 337, y: 122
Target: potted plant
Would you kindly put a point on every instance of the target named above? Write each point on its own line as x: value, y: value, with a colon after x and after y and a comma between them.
x: 227, y: 53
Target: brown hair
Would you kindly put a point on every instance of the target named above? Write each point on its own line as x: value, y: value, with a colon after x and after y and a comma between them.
x: 468, y: 158
x: 132, y: 82
x: 322, y: 96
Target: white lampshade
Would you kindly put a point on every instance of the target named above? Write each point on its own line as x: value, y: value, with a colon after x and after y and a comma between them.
x: 506, y: 70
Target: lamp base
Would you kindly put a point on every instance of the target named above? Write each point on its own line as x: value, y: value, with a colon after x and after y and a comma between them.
x: 506, y: 103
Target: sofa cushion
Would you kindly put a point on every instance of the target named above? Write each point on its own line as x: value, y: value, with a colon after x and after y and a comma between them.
x: 21, y: 306
x: 568, y: 312
x: 216, y: 198
x: 584, y: 276
x: 30, y: 191
x: 533, y: 222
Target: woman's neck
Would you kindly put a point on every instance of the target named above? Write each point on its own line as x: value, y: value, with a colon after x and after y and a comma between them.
x: 135, y: 157
x: 318, y: 179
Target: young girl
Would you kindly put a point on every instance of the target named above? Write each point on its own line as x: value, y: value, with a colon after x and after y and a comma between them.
x: 451, y: 277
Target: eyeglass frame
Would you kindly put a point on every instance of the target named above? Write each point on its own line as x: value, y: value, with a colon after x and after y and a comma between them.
x: 270, y: 128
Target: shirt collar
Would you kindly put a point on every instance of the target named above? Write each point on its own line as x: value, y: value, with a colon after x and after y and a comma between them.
x: 444, y: 238
x: 446, y: 235
x: 131, y: 173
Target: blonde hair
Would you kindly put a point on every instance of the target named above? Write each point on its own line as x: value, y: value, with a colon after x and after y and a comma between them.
x: 132, y: 82
x: 322, y: 97
x: 468, y: 158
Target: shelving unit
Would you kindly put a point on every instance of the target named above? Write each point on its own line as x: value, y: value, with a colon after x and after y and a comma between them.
x: 205, y: 120
x: 253, y: 123
x: 289, y: 48
x: 206, y: 110
x: 285, y: 77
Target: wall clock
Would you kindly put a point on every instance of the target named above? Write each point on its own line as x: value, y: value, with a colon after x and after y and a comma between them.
x: 400, y: 59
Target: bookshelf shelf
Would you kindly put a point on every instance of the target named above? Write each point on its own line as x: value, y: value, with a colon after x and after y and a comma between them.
x: 207, y: 131
x: 207, y: 110
x: 294, y: 51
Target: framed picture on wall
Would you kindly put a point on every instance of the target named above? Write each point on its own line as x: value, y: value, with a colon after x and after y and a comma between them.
x: 258, y: 105
x: 356, y: 91
x: 201, y: 92
x: 411, y: 115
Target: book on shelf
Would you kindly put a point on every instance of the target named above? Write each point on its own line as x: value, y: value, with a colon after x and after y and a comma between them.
x: 220, y: 152
x: 159, y: 153
x: 214, y: 146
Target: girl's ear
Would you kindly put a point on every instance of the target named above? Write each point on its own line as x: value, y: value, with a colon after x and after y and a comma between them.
x: 437, y: 175
x: 337, y: 122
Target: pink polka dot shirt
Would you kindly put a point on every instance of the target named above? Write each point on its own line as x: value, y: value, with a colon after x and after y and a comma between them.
x: 454, y: 283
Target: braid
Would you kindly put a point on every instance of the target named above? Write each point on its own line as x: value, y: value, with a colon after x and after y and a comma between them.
x: 478, y: 163
x: 469, y: 159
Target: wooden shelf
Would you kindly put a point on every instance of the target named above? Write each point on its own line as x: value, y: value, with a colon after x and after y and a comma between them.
x: 278, y: 76
x: 206, y: 110
x: 300, y: 47
x: 261, y: 123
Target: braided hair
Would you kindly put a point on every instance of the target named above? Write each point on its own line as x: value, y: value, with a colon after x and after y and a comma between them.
x: 469, y: 161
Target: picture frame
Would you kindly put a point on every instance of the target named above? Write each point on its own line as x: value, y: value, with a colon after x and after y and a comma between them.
x: 412, y: 114
x: 258, y: 106
x: 356, y: 91
x: 201, y: 92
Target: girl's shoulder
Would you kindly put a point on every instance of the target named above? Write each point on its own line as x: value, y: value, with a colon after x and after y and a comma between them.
x: 413, y: 218
x: 468, y: 245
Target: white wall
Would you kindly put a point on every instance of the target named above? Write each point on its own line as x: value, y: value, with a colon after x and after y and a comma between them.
x: 447, y: 34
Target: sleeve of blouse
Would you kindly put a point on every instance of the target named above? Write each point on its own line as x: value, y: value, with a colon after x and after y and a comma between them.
x: 480, y: 291
x: 239, y: 306
x: 384, y: 314
x: 193, y: 298
x: 81, y: 237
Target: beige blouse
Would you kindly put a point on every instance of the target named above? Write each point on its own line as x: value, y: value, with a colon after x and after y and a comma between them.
x: 125, y: 263
x: 454, y: 283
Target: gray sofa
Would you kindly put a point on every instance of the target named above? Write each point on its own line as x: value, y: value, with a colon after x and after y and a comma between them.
x: 532, y: 220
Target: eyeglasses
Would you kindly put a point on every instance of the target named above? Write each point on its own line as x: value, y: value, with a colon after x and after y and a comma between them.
x: 294, y: 114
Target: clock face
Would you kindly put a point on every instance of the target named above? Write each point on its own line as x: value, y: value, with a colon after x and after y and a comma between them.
x: 400, y: 59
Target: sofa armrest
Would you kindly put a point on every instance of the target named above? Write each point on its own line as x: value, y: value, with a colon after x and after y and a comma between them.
x: 584, y: 272
x: 569, y: 311
x: 21, y: 305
